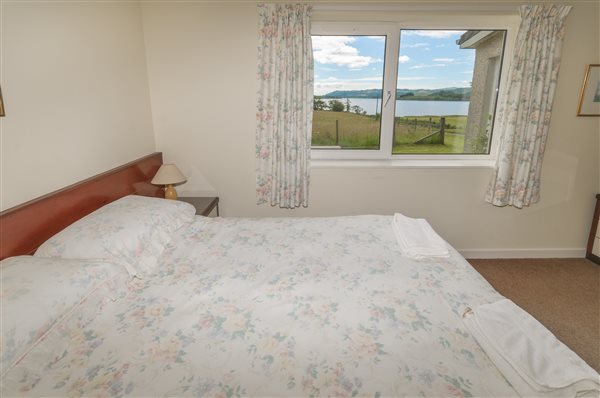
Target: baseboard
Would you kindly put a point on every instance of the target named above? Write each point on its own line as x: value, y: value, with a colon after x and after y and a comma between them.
x: 522, y: 253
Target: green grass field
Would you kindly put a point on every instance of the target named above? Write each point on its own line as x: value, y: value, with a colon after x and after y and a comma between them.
x: 355, y: 131
x: 362, y: 132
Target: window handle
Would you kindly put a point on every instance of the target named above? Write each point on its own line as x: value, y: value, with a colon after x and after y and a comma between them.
x: 389, y: 95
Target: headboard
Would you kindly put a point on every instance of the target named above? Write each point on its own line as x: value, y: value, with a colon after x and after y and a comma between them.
x: 25, y: 227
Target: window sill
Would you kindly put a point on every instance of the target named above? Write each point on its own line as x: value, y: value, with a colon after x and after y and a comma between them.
x: 404, y: 163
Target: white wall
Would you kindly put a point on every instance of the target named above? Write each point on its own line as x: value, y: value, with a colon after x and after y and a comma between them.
x: 75, y: 87
x: 202, y: 73
x: 76, y: 93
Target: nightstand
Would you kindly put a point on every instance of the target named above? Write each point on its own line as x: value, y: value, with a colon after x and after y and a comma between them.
x: 204, y: 205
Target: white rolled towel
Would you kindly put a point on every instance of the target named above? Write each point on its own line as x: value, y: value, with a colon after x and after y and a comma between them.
x: 417, y: 239
x: 529, y: 356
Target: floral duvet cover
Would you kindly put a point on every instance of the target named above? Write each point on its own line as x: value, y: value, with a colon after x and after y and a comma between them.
x: 274, y: 307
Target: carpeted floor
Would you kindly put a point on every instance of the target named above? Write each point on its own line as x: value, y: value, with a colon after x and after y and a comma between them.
x: 563, y: 294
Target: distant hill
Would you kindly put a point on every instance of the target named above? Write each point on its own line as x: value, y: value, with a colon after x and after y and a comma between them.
x: 439, y: 94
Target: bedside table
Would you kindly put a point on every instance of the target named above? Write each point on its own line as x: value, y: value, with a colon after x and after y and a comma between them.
x: 204, y: 205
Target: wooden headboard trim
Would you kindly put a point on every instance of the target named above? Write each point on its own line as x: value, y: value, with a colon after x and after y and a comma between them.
x: 25, y: 227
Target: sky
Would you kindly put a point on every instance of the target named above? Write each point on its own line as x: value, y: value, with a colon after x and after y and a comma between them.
x: 428, y: 59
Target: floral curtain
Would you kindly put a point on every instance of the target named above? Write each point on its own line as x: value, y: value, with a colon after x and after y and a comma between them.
x: 524, y: 116
x: 285, y: 104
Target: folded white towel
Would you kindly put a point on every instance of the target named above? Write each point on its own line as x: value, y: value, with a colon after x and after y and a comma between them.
x: 529, y: 356
x: 417, y: 239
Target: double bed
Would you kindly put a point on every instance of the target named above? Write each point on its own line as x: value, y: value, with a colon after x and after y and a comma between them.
x: 137, y: 301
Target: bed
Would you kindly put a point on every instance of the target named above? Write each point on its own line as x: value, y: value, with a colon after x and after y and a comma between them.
x: 184, y: 305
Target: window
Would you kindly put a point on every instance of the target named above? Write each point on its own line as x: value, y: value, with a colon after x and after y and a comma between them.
x: 385, y: 91
x: 445, y: 101
x: 348, y: 118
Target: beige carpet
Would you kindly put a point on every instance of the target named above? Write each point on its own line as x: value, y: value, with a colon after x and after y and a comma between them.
x: 563, y: 294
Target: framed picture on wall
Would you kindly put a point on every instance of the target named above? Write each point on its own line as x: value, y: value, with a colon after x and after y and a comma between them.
x: 1, y: 103
x: 589, y: 99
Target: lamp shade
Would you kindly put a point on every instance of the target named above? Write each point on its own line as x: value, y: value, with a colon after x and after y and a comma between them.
x: 168, y: 174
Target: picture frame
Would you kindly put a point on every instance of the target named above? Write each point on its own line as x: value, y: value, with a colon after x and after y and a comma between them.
x: 1, y: 104
x: 589, y: 99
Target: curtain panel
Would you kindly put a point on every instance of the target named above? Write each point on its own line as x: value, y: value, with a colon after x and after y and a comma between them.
x: 285, y: 105
x: 524, y: 115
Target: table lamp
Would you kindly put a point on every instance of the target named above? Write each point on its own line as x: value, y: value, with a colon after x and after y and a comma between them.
x: 168, y: 175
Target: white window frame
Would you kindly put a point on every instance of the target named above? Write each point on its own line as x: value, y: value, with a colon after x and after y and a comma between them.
x: 389, y: 85
x: 432, y: 20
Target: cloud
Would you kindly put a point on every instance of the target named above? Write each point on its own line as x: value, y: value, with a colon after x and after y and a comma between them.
x: 335, y: 50
x: 416, y: 45
x: 403, y: 59
x: 327, y: 69
x: 469, y: 62
x: 368, y: 79
x: 378, y: 38
x: 443, y: 60
x: 458, y: 83
x: 414, y: 78
x: 334, y: 80
x: 330, y: 84
x: 434, y: 34
x: 421, y: 66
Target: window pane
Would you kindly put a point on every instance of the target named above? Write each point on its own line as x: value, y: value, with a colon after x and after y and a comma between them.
x: 447, y: 89
x: 348, y: 91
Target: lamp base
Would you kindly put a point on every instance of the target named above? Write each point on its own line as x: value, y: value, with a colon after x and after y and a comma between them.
x: 170, y: 192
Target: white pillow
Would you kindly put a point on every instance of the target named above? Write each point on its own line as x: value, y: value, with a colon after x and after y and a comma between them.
x: 132, y: 231
x: 38, y: 292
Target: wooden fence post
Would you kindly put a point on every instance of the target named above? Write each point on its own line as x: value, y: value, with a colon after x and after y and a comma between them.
x: 337, y: 132
x: 442, y: 127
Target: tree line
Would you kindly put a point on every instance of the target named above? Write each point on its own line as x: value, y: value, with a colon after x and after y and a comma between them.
x: 337, y: 106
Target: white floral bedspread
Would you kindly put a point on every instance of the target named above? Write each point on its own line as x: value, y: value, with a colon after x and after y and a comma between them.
x: 275, y: 307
